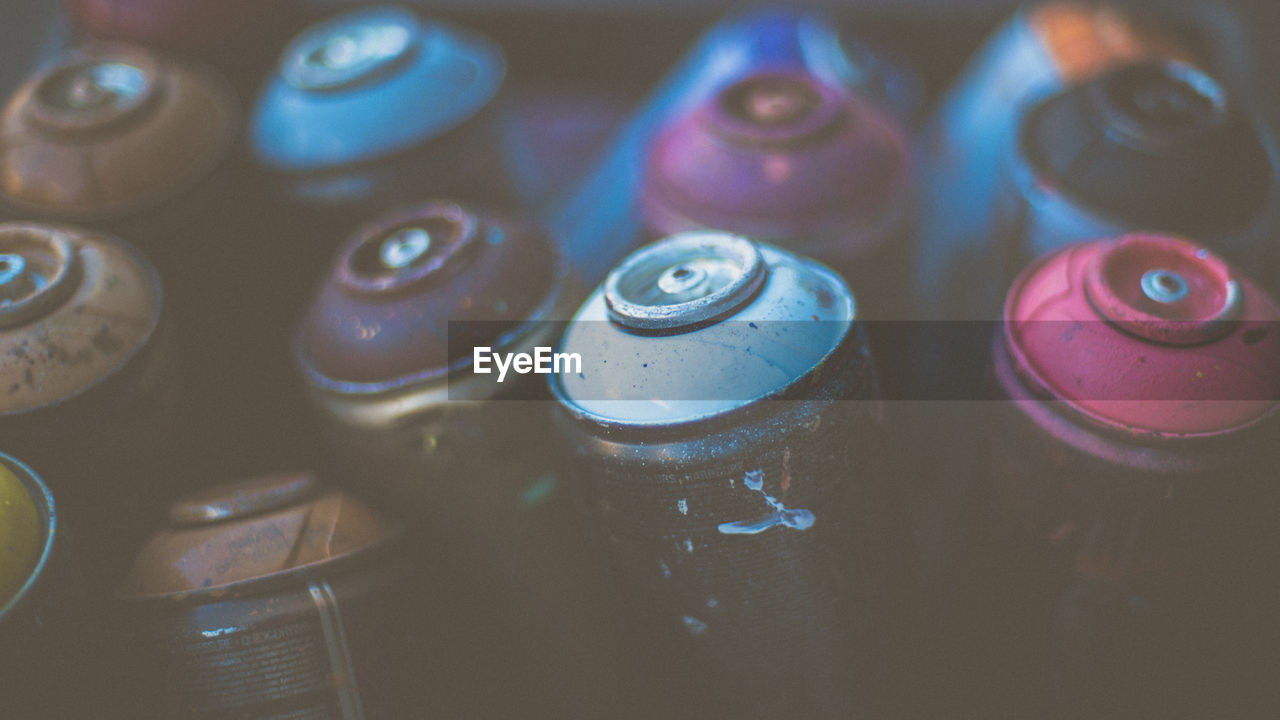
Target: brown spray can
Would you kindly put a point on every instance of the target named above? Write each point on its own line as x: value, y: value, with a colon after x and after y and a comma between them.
x: 86, y: 365
x: 139, y: 144
x: 271, y: 598
x: 386, y: 348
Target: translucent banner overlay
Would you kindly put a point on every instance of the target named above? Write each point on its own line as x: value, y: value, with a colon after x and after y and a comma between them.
x: 913, y: 360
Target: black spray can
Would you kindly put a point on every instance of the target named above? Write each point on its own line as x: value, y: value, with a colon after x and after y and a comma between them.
x: 725, y: 424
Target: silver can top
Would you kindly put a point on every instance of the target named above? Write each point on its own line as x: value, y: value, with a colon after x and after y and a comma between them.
x: 699, y: 325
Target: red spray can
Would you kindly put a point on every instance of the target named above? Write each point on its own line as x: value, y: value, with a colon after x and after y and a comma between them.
x: 1125, y: 494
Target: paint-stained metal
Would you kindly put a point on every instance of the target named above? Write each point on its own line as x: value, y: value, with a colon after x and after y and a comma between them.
x: 270, y: 597
x: 740, y: 519
x: 1132, y: 468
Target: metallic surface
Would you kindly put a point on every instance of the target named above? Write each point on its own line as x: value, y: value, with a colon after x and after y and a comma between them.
x: 22, y: 539
x: 1123, y: 528
x: 112, y: 130
x: 85, y: 359
x: 742, y: 526
x: 28, y: 528
x: 1150, y: 145
x: 92, y: 304
x: 377, y: 327
x: 640, y: 382
x: 781, y: 156
x: 277, y: 609
x: 1196, y: 344
x: 385, y: 349
x: 1042, y: 50
x: 602, y: 220
x: 357, y: 99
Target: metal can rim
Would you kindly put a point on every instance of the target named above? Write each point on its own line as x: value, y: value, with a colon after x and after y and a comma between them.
x: 48, y: 509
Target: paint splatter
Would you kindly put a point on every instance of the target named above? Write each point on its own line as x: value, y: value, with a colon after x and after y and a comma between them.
x: 694, y: 625
x: 683, y: 506
x: 781, y: 515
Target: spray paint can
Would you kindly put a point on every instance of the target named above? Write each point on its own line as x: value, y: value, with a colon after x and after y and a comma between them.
x: 726, y: 393
x: 271, y: 597
x: 138, y: 145
x: 1148, y: 145
x: 379, y: 106
x: 782, y: 157
x: 1045, y: 49
x: 1128, y: 479
x: 368, y: 111
x: 85, y: 357
x: 387, y: 349
x: 602, y: 219
x: 118, y: 136
x: 375, y: 344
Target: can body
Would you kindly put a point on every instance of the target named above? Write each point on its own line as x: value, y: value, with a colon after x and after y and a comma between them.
x: 1097, y: 160
x: 743, y: 535
x: 271, y: 598
x: 387, y: 349
x: 1114, y: 523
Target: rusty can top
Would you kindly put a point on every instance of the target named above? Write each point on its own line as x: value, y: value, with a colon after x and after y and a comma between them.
x: 27, y: 529
x: 254, y: 530
x: 381, y: 321
x: 75, y: 308
x: 778, y: 154
x: 112, y: 129
x: 1147, y: 334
